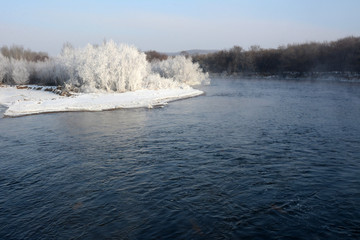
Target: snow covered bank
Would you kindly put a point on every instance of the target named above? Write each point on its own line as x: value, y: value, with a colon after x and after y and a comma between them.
x: 22, y: 102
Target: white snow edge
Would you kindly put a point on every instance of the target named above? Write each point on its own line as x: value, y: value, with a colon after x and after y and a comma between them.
x: 21, y: 102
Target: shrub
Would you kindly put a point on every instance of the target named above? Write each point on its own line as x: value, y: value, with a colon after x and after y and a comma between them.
x: 181, y: 70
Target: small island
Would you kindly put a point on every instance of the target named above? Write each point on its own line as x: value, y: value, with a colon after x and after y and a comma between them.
x: 95, y: 78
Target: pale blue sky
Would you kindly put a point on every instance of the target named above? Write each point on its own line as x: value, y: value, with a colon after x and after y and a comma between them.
x: 169, y: 26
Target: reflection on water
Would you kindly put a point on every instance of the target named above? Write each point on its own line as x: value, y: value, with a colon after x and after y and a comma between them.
x: 252, y: 158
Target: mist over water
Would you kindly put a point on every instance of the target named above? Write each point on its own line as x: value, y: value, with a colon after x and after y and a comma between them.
x: 266, y: 159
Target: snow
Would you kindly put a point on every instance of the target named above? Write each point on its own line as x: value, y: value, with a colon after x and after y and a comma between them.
x: 20, y: 102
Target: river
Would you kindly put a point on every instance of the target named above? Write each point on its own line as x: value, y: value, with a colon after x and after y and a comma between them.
x: 258, y: 159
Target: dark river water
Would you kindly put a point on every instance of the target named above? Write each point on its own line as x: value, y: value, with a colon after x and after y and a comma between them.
x: 252, y: 159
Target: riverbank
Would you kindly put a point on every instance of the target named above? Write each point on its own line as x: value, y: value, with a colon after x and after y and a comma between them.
x: 36, y: 99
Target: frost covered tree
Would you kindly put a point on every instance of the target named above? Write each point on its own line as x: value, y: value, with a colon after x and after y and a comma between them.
x: 109, y: 67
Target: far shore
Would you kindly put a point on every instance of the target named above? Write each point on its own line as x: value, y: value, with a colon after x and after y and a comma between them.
x: 342, y: 76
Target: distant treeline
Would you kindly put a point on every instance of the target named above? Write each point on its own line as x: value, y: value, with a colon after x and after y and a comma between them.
x: 338, y: 56
x: 19, y: 53
x: 154, y: 55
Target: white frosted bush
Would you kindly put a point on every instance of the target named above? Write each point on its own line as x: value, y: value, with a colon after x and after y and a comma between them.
x: 20, y: 74
x: 155, y: 82
x: 14, y: 71
x: 181, y: 69
x: 4, y: 68
x: 50, y: 72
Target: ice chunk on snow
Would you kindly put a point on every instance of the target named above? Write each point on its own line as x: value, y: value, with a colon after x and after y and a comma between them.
x: 22, y: 102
